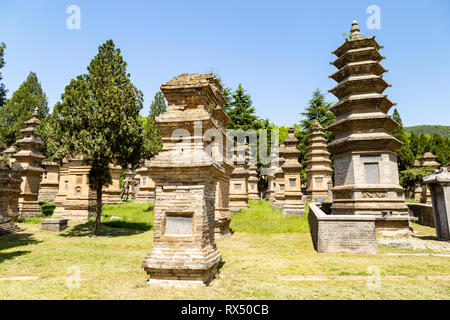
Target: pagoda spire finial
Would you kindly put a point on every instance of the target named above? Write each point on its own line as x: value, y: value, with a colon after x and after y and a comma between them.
x: 36, y: 113
x: 355, y: 31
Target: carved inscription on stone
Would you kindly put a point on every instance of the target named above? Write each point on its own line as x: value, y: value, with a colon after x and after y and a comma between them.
x: 177, y: 224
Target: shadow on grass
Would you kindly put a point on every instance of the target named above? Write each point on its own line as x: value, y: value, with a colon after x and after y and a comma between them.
x: 107, y: 229
x: 427, y: 238
x: 15, y: 240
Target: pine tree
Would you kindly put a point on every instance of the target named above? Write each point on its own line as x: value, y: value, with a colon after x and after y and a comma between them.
x: 98, y: 119
x: 241, y: 111
x: 405, y: 156
x: 20, y: 107
x: 152, y: 137
x: 2, y: 64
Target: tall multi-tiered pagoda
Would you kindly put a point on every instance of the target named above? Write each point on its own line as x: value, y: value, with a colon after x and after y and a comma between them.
x: 253, y: 182
x: 365, y: 161
x: 318, y: 164
x: 293, y: 204
x: 279, y: 181
x: 30, y: 157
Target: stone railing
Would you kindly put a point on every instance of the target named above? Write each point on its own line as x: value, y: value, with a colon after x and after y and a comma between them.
x: 424, y: 212
x: 342, y: 233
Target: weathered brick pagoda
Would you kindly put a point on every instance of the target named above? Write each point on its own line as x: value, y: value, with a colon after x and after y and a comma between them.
x: 29, y: 157
x: 238, y: 196
x: 146, y: 191
x: 318, y: 163
x: 184, y: 251
x: 365, y: 161
x: 111, y: 193
x: 293, y: 204
x: 253, y: 182
x: 279, y: 180
x: 48, y: 190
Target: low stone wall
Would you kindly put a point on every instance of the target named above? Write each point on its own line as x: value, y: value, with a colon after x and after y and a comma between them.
x: 424, y: 212
x: 342, y: 233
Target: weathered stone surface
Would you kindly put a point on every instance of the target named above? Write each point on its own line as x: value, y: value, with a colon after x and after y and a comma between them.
x: 8, y: 198
x: 365, y: 161
x: 318, y: 163
x: 342, y: 233
x: 186, y: 176
x: 48, y: 190
x: 29, y: 157
x: 111, y: 194
x: 293, y: 204
x: 279, y: 180
x: 75, y: 200
x: 55, y: 225
x: 423, y: 212
x: 439, y: 185
x: 146, y: 191
x: 253, y: 179
x: 238, y: 194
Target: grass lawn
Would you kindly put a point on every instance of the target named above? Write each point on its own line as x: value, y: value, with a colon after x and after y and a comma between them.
x: 267, y: 257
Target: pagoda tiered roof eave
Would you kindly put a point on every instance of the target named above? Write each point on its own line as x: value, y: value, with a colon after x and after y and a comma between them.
x: 359, y: 84
x: 359, y: 54
x: 356, y: 43
x: 363, y: 142
x: 362, y: 101
x: 362, y: 122
x: 361, y: 67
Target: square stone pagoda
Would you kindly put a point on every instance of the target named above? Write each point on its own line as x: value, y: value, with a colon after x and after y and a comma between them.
x: 184, y: 251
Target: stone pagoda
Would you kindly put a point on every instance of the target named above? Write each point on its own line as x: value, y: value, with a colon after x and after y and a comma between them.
x: 292, y: 169
x: 274, y: 159
x: 279, y: 181
x: 146, y: 191
x: 428, y: 160
x: 111, y: 193
x: 75, y: 200
x: 239, y: 179
x: 29, y: 157
x: 253, y: 182
x: 7, y: 226
x: 48, y: 190
x: 365, y: 161
x: 318, y: 172
x: 184, y: 251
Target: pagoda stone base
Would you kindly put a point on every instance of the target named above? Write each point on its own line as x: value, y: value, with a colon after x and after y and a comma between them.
x: 181, y: 278
x: 222, y: 224
x: 399, y: 226
x: 278, y: 204
x: 254, y: 197
x: 48, y: 194
x: 145, y: 197
x: 7, y: 226
x: 77, y: 210
x: 236, y: 203
x: 290, y: 210
x: 30, y: 209
x: 111, y: 197
x: 318, y: 196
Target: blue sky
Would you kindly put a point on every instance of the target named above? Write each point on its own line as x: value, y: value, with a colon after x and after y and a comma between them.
x: 279, y: 50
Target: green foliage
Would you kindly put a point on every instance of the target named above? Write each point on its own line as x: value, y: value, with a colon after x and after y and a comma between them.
x: 98, y: 119
x: 241, y: 111
x: 405, y: 156
x: 261, y: 218
x: 152, y: 137
x: 444, y: 131
x: 409, y: 178
x: 47, y: 208
x: 19, y: 109
x: 135, y: 216
x: 2, y: 64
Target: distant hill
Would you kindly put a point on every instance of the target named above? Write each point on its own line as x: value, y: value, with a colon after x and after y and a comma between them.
x: 430, y: 130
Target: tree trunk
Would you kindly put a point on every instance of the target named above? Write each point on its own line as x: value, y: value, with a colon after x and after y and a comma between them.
x: 98, y: 210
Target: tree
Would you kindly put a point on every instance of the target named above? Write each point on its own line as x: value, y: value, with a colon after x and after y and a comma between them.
x: 98, y: 119
x: 20, y: 107
x: 405, y: 156
x: 411, y: 177
x: 152, y: 136
x: 2, y: 64
x: 241, y: 111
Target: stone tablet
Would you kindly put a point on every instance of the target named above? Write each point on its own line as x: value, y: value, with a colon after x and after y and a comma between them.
x: 177, y: 224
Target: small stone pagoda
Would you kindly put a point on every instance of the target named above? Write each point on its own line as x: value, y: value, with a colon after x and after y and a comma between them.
x: 279, y: 181
x: 146, y: 191
x: 270, y: 194
x: 365, y: 161
x: 111, y: 193
x: 184, y: 251
x: 253, y: 182
x: 75, y: 200
x: 29, y: 157
x: 238, y: 195
x: 318, y: 172
x: 428, y: 160
x: 7, y: 226
x: 292, y: 169
x: 48, y: 190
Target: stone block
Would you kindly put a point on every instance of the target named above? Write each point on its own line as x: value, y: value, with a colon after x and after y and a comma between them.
x: 55, y: 225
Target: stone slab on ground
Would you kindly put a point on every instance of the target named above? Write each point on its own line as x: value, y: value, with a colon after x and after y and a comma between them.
x: 55, y: 225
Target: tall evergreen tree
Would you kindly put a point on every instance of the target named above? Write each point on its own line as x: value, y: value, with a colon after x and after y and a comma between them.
x: 20, y: 107
x: 2, y: 64
x: 98, y: 119
x: 241, y: 111
x: 152, y: 136
x: 405, y: 156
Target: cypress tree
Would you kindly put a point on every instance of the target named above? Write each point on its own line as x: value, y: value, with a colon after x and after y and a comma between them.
x: 152, y: 136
